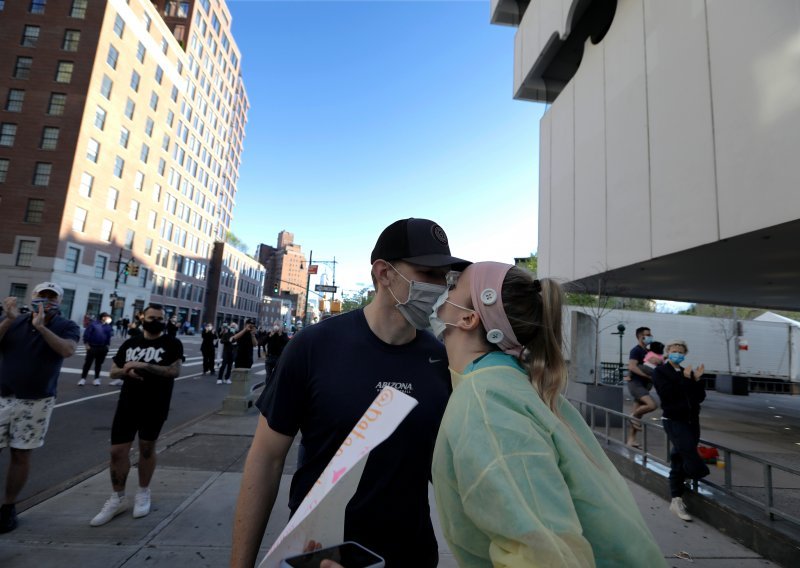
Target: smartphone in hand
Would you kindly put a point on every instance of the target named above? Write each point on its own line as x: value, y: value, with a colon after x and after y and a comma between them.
x: 348, y: 554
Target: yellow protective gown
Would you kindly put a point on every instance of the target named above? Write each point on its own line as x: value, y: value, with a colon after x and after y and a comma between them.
x: 516, y: 486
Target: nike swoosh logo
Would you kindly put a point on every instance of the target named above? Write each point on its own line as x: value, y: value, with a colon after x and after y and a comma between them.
x: 432, y: 360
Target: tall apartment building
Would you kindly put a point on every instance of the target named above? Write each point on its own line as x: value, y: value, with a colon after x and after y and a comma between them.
x: 287, y: 270
x: 120, y: 138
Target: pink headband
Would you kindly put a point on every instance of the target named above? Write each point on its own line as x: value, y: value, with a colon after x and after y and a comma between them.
x: 486, y: 286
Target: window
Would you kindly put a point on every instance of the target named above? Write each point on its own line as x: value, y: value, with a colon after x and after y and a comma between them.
x: 147, y: 21
x: 148, y: 126
x: 111, y: 200
x: 22, y: 68
x: 105, y: 230
x: 20, y: 292
x: 133, y: 211
x: 174, y: 94
x: 140, y: 51
x: 156, y: 192
x: 119, y: 26
x: 100, y: 117
x: 130, y: 108
x: 151, y: 219
x: 164, y: 45
x: 159, y: 74
x: 15, y: 99
x: 87, y: 181
x: 71, y: 259
x: 37, y: 6
x: 138, y: 182
x: 93, y: 150
x: 154, y: 101
x: 135, y: 81
x: 34, y: 211
x: 79, y: 220
x: 100, y: 263
x: 30, y: 36
x: 144, y: 154
x: 64, y: 71
x: 148, y: 247
x: 113, y: 57
x: 4, y: 162
x: 8, y: 132
x: 124, y: 135
x: 170, y: 118
x: 106, y: 86
x: 49, y: 138
x: 162, y: 165
x: 129, y: 234
x: 79, y: 9
x: 41, y: 174
x: 25, y: 253
x: 57, y: 103
x: 119, y: 166
x: 71, y: 40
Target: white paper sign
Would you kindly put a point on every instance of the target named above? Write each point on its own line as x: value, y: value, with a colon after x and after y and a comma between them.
x: 320, y: 516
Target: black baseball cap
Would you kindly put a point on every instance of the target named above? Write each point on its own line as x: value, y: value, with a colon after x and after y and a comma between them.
x: 418, y: 241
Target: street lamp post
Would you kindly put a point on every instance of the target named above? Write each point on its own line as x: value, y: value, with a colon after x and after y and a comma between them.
x: 621, y: 332
x: 308, y: 282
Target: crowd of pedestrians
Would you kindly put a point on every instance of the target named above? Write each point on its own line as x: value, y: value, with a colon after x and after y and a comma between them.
x: 517, y: 473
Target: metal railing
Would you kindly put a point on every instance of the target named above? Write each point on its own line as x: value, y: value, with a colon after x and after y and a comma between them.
x: 773, y: 386
x: 736, y: 475
x: 611, y: 373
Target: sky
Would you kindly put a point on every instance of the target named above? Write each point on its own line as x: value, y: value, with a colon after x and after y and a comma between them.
x: 365, y: 112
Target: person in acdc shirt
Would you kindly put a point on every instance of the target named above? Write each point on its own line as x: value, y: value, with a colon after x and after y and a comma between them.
x: 148, y: 364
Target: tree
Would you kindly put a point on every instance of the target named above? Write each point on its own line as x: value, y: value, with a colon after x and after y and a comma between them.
x: 530, y: 264
x: 236, y: 242
x: 356, y: 300
x: 595, y: 305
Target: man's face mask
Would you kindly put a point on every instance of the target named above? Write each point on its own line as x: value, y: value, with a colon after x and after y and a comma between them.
x: 49, y: 306
x: 421, y: 298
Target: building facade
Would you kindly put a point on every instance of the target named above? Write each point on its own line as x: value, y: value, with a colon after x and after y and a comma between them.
x: 287, y: 271
x: 235, y: 286
x: 667, y: 155
x: 116, y: 145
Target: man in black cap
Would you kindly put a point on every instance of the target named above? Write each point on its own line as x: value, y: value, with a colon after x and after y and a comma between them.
x: 327, y: 377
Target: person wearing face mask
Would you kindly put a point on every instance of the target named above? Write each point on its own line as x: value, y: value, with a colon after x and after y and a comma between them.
x: 97, y: 339
x: 208, y: 348
x: 148, y: 364
x: 681, y: 390
x: 639, y: 384
x: 226, y: 337
x: 33, y: 347
x: 275, y: 343
x: 328, y: 375
x: 520, y: 479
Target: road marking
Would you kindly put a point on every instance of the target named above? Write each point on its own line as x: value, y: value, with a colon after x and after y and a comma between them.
x: 115, y: 391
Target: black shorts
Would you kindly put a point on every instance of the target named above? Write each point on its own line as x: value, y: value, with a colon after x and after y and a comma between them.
x: 137, y: 414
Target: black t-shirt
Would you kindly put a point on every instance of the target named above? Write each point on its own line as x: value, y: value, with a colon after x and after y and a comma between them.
x: 276, y: 343
x: 326, y: 379
x: 152, y: 389
x: 637, y: 353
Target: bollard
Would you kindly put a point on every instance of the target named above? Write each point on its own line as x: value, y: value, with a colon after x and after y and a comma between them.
x: 241, y: 396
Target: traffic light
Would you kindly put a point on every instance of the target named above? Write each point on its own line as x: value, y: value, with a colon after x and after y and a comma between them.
x: 275, y: 289
x: 336, y: 306
x: 132, y: 269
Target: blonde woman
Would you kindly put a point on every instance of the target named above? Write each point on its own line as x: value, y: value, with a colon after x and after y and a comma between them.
x: 520, y: 479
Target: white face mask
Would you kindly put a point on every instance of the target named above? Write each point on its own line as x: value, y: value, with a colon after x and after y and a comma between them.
x: 438, y: 326
x: 421, y: 298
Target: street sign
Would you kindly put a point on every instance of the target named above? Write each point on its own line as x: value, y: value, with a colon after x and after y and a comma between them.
x: 324, y: 288
x: 312, y: 268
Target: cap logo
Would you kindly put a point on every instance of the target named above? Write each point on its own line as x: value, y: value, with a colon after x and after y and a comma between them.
x: 439, y: 234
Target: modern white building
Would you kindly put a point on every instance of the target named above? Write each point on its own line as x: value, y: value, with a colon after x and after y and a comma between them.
x: 668, y: 164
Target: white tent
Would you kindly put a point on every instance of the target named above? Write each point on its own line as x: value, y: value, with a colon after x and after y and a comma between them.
x: 776, y: 318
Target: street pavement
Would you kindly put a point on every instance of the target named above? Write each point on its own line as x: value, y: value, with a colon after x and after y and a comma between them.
x: 194, y: 492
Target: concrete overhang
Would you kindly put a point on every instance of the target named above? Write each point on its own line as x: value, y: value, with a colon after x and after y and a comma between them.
x: 757, y: 269
x: 508, y: 12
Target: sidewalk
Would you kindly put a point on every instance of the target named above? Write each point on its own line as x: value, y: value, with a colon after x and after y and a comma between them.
x: 194, y: 494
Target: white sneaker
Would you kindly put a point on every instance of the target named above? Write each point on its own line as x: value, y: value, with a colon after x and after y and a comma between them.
x: 96, y: 382
x: 113, y: 507
x: 678, y: 507
x: 141, y: 503
x: 116, y: 383
x: 81, y: 382
x: 228, y: 381
x: 219, y: 381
